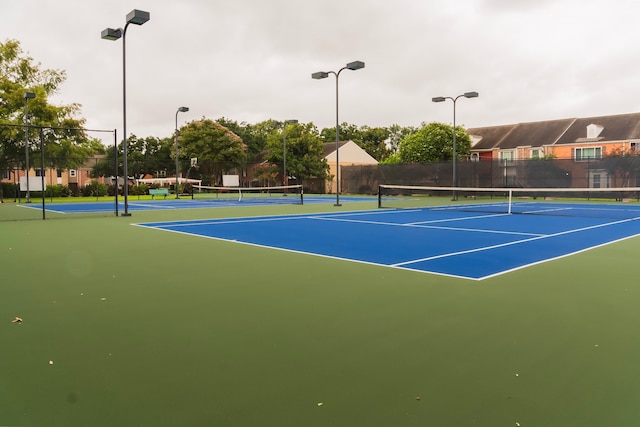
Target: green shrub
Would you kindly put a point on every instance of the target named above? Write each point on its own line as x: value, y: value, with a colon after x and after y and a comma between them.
x: 57, y: 191
x: 94, y: 189
x: 8, y: 190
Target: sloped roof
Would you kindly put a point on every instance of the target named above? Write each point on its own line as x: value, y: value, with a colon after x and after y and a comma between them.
x: 533, y: 134
x: 489, y: 137
x: 330, y: 147
x: 556, y: 132
x: 615, y: 128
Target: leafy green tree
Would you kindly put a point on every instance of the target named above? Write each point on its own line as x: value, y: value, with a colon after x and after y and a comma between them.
x: 374, y: 142
x: 434, y: 143
x: 217, y: 148
x: 305, y: 156
x: 398, y: 133
x: 348, y: 132
x: 253, y: 136
x: 150, y: 155
x: 64, y: 142
x: 623, y: 167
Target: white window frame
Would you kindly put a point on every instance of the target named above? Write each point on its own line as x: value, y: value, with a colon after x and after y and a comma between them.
x: 535, y: 153
x: 511, y: 155
x: 578, y: 155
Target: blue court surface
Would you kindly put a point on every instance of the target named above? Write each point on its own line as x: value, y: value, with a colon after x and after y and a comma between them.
x: 182, y: 203
x: 447, y: 242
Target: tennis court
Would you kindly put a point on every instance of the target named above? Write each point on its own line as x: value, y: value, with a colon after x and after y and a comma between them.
x: 443, y: 240
x: 171, y: 203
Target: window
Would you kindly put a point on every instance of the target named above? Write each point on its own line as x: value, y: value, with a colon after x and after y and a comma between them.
x: 584, y: 154
x: 635, y: 147
x: 507, y: 155
x: 535, y: 153
x: 72, y: 173
x: 4, y: 174
x: 598, y: 178
x: 40, y: 172
x: 59, y: 173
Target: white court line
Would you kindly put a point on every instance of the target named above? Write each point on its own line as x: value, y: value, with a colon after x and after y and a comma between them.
x: 511, y: 243
x: 423, y: 225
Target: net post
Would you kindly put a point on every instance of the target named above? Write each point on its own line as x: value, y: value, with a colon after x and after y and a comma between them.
x: 510, y: 199
x: 379, y: 196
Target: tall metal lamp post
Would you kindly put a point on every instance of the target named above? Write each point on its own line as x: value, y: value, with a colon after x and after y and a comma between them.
x: 137, y: 17
x: 356, y: 65
x: 285, y: 176
x: 27, y: 97
x: 180, y: 110
x: 442, y: 99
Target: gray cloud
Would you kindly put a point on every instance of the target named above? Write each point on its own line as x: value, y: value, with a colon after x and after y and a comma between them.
x: 251, y: 60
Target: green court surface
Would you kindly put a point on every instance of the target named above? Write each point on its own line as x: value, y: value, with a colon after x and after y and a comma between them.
x: 128, y: 326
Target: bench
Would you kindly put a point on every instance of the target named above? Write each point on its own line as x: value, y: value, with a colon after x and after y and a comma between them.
x: 158, y: 192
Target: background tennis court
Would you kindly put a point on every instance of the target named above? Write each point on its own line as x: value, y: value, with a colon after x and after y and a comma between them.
x: 149, y: 328
x: 171, y: 203
x: 442, y: 240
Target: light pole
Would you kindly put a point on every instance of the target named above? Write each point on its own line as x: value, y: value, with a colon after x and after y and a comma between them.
x: 27, y: 97
x: 180, y: 110
x: 356, y: 65
x: 137, y: 17
x: 285, y: 176
x: 442, y: 99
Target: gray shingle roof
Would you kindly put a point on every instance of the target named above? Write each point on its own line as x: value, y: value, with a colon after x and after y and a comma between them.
x: 556, y: 132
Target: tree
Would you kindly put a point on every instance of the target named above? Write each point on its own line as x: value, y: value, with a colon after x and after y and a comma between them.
x: 150, y: 155
x: 374, y: 141
x: 65, y: 144
x: 434, y: 143
x: 218, y: 149
x: 253, y: 136
x: 348, y: 132
x: 305, y: 156
x: 623, y: 167
x: 398, y: 133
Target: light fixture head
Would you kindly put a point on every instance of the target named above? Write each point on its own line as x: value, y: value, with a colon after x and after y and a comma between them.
x: 137, y: 17
x: 29, y: 95
x: 320, y: 75
x: 355, y: 65
x: 290, y: 121
x: 183, y: 109
x: 111, y: 33
x: 471, y: 95
x: 438, y: 99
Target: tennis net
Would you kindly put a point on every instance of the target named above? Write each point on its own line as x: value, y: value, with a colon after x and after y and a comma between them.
x: 586, y: 202
x: 286, y: 194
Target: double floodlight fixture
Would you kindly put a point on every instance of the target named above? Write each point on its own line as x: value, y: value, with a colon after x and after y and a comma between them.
x: 29, y: 95
x: 137, y: 17
x: 355, y: 65
x: 183, y: 109
x: 444, y: 98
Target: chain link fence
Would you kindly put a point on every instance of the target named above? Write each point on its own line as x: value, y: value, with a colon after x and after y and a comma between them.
x: 608, y: 172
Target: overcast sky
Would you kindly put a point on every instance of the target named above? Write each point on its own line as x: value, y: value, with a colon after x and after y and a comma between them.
x: 252, y: 60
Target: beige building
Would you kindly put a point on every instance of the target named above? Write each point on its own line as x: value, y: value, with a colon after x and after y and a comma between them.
x: 349, y: 154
